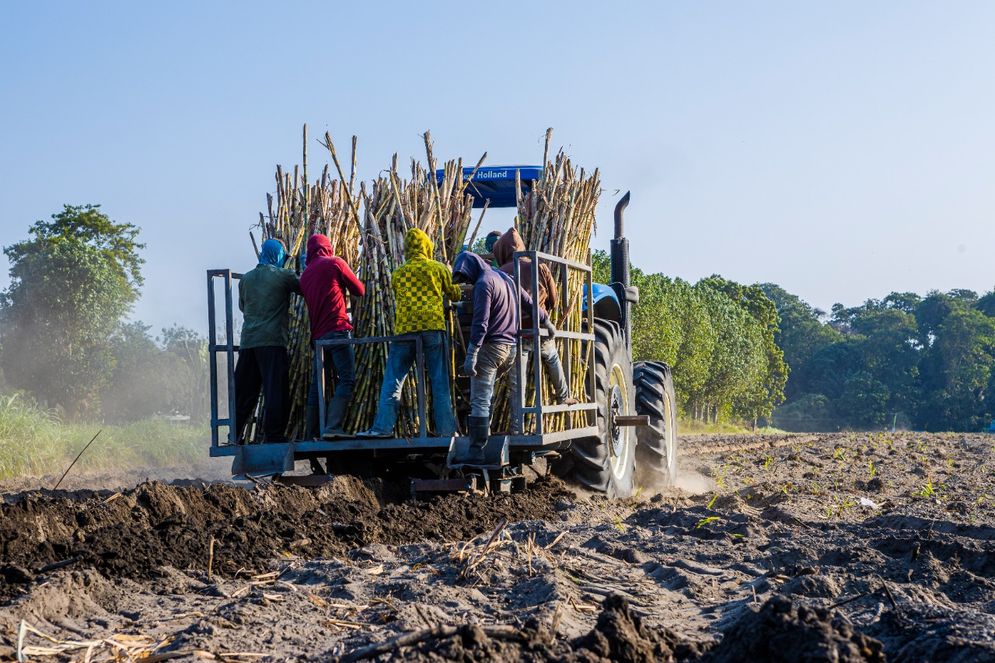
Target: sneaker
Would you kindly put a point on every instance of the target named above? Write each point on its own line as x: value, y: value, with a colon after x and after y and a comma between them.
x: 374, y: 433
x: 334, y: 434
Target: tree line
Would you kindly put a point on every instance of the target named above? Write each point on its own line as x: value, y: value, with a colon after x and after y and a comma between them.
x: 926, y: 363
x: 905, y: 360
x: 64, y: 337
x: 719, y: 336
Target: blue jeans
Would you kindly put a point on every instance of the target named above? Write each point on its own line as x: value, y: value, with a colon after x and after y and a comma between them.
x: 493, y: 360
x: 400, y: 359
x: 340, y: 362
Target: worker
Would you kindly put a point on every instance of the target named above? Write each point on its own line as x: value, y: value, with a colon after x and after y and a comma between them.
x: 264, y: 299
x: 489, y: 241
x: 493, y: 334
x: 547, y: 295
x: 327, y: 282
x: 420, y: 286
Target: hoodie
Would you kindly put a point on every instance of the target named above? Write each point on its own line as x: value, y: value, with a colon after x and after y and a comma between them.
x: 326, y: 282
x: 495, y: 318
x: 264, y: 299
x: 272, y: 253
x: 504, y: 253
x: 419, y: 286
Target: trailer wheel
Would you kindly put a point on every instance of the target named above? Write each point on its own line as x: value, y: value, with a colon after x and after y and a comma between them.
x: 605, y: 463
x: 656, y: 448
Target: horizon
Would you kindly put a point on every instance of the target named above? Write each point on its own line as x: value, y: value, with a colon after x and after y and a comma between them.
x: 842, y: 152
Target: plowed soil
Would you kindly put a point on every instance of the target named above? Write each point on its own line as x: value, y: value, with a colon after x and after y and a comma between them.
x: 819, y: 548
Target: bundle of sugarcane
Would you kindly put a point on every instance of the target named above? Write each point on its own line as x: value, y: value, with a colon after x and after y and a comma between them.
x: 557, y: 216
x: 300, y: 209
x: 441, y: 207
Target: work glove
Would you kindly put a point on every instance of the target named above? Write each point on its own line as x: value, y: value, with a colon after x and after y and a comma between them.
x: 550, y: 328
x: 470, y: 364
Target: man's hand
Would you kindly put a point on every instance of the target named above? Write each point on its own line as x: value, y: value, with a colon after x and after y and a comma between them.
x: 550, y: 328
x: 470, y: 364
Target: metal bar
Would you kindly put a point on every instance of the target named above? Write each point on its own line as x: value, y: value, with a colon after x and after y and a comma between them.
x: 537, y: 349
x: 632, y: 420
x: 366, y: 340
x: 229, y: 342
x: 440, y: 445
x: 557, y: 259
x: 319, y: 377
x: 420, y: 385
x: 582, y: 336
x: 519, y: 396
x: 211, y: 341
x: 553, y: 409
x: 236, y: 348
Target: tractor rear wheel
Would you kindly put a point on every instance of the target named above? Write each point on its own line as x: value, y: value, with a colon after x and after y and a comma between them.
x: 656, y: 448
x: 605, y: 463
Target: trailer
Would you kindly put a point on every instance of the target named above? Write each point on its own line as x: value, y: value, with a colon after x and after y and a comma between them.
x: 626, y: 429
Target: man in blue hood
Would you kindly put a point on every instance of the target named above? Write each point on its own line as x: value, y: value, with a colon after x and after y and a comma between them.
x: 264, y: 299
x: 493, y: 335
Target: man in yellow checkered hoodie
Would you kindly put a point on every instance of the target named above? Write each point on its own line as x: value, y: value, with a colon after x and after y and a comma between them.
x: 420, y: 285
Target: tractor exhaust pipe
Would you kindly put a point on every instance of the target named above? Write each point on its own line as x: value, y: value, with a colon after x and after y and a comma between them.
x: 620, y: 267
x: 620, y: 245
x: 619, y: 211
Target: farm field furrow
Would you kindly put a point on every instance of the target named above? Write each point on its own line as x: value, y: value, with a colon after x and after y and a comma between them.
x: 853, y: 546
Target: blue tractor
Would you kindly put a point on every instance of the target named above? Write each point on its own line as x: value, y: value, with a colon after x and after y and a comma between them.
x: 623, y: 436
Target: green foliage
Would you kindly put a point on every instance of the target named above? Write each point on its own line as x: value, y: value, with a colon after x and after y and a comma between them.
x: 156, y: 376
x: 34, y: 442
x: 71, y: 283
x: 717, y: 335
x: 926, y: 362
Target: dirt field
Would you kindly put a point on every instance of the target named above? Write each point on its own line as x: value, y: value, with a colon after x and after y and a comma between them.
x: 832, y: 547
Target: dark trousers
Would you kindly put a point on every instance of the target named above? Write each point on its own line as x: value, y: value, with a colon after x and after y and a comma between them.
x: 340, y: 363
x: 269, y: 368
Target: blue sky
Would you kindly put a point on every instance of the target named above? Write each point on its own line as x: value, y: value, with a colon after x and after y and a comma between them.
x: 839, y: 149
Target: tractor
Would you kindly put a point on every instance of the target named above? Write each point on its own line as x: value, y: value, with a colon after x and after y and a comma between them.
x: 624, y: 436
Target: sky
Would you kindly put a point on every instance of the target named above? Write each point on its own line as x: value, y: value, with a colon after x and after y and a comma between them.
x: 840, y: 149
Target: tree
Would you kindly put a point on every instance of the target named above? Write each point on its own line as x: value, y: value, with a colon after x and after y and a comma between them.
x: 168, y: 375
x: 72, y: 282
x: 957, y: 373
x: 190, y: 349
x: 801, y: 334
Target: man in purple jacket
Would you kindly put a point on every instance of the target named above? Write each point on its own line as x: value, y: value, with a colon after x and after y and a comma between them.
x: 493, y: 335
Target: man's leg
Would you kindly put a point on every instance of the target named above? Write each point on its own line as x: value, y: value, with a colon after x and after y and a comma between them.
x: 437, y: 366
x: 275, y: 369
x: 247, y: 382
x: 344, y: 360
x: 312, y: 427
x: 557, y: 377
x: 490, y: 361
x: 399, y: 360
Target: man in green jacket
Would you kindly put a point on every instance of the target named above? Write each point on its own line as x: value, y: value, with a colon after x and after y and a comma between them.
x: 264, y: 299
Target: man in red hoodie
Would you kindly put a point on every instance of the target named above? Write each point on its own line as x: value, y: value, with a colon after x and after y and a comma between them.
x: 326, y: 283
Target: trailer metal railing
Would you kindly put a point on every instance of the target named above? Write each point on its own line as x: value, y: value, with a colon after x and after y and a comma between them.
x: 538, y: 440
x: 229, y: 349
x: 533, y: 336
x: 320, y: 375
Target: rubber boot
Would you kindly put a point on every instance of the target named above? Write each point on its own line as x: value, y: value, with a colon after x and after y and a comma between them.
x: 480, y: 430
